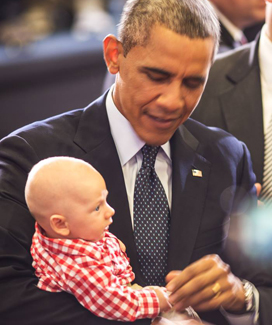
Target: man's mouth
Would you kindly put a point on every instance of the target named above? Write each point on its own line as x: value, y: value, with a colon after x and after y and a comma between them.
x: 162, y: 122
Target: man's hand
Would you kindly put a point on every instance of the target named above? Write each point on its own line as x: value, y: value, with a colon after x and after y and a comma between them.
x: 206, y: 285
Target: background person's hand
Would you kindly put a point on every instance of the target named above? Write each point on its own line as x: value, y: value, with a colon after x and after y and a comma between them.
x: 258, y: 189
x: 206, y: 285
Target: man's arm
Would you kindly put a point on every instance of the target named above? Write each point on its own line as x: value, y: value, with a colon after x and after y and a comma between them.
x: 197, y: 285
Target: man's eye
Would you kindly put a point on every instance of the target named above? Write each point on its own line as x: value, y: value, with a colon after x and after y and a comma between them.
x: 156, y: 77
x: 97, y: 208
x: 193, y: 83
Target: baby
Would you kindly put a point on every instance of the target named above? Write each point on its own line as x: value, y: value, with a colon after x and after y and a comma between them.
x: 73, y: 250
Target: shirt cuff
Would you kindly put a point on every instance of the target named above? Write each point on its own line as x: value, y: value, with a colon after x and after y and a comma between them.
x: 149, y: 306
x: 249, y: 318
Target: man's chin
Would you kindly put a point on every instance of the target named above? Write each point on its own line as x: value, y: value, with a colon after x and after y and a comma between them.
x: 157, y: 140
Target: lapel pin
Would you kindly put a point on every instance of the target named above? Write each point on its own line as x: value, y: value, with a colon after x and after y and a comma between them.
x: 196, y: 173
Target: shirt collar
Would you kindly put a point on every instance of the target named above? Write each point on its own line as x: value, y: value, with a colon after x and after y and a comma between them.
x: 70, y: 246
x: 126, y: 140
x: 234, y: 31
x: 265, y: 57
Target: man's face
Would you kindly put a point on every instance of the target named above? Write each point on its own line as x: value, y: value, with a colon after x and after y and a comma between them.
x: 242, y: 13
x: 159, y: 85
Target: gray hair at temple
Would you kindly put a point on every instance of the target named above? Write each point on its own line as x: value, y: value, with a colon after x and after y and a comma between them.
x: 192, y: 18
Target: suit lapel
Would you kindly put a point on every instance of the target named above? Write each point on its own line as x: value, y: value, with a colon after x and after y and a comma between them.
x: 242, y: 105
x: 188, y: 197
x: 188, y: 201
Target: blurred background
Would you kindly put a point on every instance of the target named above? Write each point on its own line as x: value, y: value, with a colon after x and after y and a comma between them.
x: 51, y: 56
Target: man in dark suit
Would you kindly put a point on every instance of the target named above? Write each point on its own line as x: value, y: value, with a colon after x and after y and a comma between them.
x: 234, y: 17
x: 161, y: 61
x: 238, y: 95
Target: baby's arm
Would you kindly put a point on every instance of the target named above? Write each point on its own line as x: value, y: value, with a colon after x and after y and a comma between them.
x: 160, y: 293
x: 163, y: 298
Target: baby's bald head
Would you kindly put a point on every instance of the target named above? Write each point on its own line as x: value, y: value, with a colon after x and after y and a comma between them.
x: 54, y: 184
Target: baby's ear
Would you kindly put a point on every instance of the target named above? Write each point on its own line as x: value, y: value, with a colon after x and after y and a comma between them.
x: 59, y: 225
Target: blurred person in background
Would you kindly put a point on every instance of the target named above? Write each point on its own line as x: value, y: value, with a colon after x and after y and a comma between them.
x: 25, y: 21
x: 238, y: 99
x: 234, y: 17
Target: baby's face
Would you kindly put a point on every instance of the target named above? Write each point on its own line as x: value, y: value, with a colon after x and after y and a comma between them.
x: 90, y: 214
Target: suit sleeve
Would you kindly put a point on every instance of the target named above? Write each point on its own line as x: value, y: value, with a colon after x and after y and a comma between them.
x: 21, y: 301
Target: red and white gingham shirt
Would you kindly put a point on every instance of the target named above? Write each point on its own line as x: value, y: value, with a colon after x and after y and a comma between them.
x: 97, y: 274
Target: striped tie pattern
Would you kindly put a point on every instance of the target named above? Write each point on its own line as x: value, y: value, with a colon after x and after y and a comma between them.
x: 266, y: 193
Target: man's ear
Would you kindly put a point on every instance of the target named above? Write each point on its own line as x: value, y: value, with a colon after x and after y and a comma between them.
x: 112, y: 49
x: 59, y: 225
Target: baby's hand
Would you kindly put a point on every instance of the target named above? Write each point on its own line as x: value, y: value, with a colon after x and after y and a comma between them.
x: 122, y: 246
x: 163, y: 298
x: 136, y: 286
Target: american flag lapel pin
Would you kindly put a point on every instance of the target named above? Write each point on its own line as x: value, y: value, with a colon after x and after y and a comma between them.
x: 196, y: 173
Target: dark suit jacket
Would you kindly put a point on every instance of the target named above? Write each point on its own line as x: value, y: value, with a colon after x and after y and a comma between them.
x: 232, y: 100
x: 199, y: 216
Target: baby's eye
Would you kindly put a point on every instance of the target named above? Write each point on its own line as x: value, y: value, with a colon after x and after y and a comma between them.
x: 97, y: 208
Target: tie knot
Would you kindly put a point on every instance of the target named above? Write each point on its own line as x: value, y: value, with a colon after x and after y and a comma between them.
x: 149, y: 155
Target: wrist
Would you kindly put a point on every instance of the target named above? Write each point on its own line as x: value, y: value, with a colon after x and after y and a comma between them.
x: 248, y: 304
x: 163, y: 299
x: 249, y: 296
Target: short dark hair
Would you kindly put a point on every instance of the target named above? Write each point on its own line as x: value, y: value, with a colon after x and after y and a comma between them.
x: 193, y: 18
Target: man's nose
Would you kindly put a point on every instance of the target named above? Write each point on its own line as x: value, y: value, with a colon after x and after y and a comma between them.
x: 171, y: 97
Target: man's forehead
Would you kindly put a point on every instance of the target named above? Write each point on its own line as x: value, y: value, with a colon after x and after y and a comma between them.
x: 161, y: 57
x: 162, y: 37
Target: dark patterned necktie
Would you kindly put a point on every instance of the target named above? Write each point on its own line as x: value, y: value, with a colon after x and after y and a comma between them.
x: 151, y: 220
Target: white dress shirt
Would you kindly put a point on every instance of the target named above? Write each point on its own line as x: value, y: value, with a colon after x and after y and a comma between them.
x: 265, y: 62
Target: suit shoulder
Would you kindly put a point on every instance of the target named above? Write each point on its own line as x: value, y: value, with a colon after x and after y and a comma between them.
x: 215, y: 138
x: 202, y: 131
x: 225, y: 63
x: 226, y: 60
x: 58, y: 126
x: 54, y: 126
x: 58, y: 135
